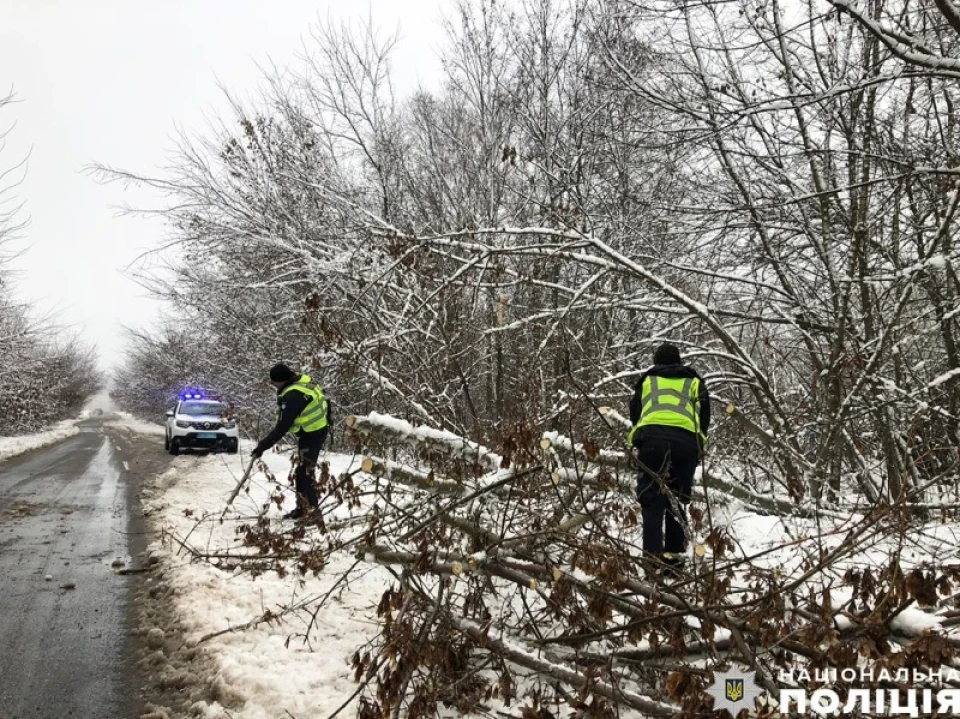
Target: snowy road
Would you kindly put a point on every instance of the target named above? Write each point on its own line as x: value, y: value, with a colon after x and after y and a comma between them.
x: 64, y: 613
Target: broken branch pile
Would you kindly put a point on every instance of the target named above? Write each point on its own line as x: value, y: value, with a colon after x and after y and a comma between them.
x: 520, y: 577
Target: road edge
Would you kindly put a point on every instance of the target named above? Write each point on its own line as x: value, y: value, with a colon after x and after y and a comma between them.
x: 179, y: 680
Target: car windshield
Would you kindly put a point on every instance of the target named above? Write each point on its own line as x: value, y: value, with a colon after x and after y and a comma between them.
x: 197, y: 409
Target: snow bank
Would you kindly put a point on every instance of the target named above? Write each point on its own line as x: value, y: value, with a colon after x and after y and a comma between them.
x: 12, y: 446
x: 271, y: 666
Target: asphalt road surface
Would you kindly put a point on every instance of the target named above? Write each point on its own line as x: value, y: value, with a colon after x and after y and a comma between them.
x: 65, y: 614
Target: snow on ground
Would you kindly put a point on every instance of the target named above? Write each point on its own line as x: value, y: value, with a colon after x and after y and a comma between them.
x: 271, y: 666
x: 12, y: 446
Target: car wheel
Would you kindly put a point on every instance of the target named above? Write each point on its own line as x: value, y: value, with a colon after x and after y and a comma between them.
x: 234, y: 446
x: 174, y: 448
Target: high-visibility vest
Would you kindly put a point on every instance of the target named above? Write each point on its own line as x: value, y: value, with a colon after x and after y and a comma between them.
x: 314, y: 415
x: 671, y: 402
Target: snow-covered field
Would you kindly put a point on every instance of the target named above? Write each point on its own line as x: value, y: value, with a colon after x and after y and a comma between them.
x: 276, y: 669
x: 12, y: 446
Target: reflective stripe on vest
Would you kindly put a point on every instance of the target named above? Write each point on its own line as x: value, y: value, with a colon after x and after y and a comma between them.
x: 314, y: 416
x: 671, y: 402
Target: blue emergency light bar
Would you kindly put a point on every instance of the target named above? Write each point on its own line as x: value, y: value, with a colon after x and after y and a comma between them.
x: 191, y: 395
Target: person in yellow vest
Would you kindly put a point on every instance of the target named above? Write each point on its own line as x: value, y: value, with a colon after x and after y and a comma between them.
x: 670, y: 412
x: 304, y: 411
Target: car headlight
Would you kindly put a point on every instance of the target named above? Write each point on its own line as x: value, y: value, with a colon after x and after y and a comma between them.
x: 183, y: 425
x: 229, y: 425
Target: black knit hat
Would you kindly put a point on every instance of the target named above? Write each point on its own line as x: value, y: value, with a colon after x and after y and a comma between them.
x: 666, y: 354
x: 281, y: 373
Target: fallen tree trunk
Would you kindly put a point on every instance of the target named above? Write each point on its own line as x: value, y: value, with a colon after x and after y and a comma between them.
x: 398, y: 430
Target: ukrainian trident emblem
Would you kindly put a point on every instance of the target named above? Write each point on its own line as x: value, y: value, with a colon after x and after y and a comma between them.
x: 733, y: 689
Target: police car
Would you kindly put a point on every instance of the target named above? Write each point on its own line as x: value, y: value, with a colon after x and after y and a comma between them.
x: 201, y: 422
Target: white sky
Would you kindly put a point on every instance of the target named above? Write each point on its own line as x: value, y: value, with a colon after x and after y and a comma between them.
x: 110, y: 81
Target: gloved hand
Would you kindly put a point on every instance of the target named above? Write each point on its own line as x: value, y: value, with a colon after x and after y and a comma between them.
x: 258, y: 451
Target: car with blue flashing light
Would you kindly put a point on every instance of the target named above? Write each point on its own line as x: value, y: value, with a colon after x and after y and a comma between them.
x: 203, y: 422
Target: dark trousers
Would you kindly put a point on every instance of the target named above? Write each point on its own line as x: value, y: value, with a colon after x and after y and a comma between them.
x: 668, y: 461
x: 309, y: 445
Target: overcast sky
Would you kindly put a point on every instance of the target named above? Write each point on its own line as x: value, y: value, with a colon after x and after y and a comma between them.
x: 110, y: 81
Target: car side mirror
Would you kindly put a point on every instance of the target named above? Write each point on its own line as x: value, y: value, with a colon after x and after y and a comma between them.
x: 169, y: 413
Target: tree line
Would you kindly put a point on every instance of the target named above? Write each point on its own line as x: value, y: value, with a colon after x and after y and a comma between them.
x: 46, y: 374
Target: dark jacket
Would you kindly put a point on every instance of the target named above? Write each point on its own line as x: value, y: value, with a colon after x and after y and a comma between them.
x: 290, y: 405
x: 673, y: 371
